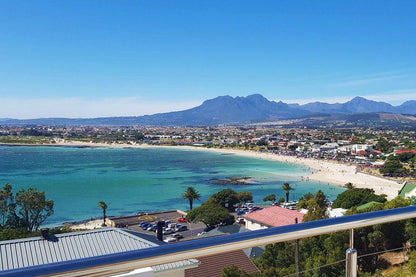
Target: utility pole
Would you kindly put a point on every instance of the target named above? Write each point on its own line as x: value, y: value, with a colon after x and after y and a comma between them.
x: 351, y: 258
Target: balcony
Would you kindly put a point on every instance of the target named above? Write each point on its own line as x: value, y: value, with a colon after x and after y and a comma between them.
x: 123, y: 262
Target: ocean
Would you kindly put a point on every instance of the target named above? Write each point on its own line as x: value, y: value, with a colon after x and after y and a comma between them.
x: 133, y: 180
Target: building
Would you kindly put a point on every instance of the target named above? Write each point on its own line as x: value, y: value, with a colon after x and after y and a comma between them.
x: 21, y: 253
x: 211, y: 266
x: 272, y: 217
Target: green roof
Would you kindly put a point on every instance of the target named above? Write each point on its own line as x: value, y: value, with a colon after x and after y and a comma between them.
x: 367, y: 205
x: 406, y: 189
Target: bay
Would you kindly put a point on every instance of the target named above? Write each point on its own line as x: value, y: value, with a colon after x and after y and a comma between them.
x: 141, y: 179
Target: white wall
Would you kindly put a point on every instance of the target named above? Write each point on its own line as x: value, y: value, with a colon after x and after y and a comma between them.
x: 253, y: 225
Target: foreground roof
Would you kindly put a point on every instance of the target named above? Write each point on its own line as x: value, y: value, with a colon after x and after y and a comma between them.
x: 72, y: 246
x: 275, y: 216
x: 211, y: 266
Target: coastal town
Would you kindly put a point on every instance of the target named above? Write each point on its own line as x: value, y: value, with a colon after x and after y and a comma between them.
x: 341, y: 151
x: 207, y: 138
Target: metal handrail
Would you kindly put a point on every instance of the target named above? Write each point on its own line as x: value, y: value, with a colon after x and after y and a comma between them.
x: 125, y: 261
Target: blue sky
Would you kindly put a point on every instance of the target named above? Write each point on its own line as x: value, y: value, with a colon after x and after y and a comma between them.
x: 108, y: 58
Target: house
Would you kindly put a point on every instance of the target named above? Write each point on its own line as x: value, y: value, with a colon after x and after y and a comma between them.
x: 368, y: 205
x: 398, y: 152
x: 329, y: 147
x: 21, y: 253
x: 338, y: 212
x: 273, y: 216
x: 211, y: 266
x: 356, y: 148
x: 408, y: 190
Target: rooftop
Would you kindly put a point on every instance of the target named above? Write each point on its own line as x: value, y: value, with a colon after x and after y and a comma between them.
x: 211, y: 266
x: 27, y: 252
x: 275, y: 216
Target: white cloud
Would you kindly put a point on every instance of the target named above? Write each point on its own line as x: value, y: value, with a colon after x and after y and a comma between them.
x: 86, y: 107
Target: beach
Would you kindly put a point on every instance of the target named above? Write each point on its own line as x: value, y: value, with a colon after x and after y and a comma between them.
x: 321, y: 170
x: 327, y: 172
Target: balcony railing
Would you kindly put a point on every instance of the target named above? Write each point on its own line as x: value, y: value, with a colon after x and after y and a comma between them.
x: 126, y: 261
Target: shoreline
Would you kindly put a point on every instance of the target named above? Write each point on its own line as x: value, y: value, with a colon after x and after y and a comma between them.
x: 322, y: 171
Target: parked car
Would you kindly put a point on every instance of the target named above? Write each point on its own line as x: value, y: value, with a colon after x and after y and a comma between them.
x: 145, y: 225
x: 178, y: 236
x: 182, y: 219
x: 170, y: 239
x: 180, y: 228
x: 168, y: 231
x: 242, y: 211
x: 152, y: 228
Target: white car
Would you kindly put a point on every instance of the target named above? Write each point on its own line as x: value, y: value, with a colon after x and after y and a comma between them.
x: 170, y: 239
x: 168, y: 231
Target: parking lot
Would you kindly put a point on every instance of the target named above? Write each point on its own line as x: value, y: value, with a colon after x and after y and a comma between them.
x: 133, y: 223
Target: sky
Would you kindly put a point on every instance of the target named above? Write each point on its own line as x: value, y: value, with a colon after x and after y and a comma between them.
x: 121, y: 58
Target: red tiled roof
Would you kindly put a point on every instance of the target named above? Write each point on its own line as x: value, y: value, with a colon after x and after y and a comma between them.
x: 211, y: 266
x: 275, y: 216
x: 404, y: 151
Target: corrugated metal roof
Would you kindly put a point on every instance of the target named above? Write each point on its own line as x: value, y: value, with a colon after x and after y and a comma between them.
x: 71, y: 246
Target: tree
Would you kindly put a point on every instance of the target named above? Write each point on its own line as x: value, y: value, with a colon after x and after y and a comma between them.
x: 349, y: 185
x: 385, y: 146
x: 281, y: 200
x: 303, y: 201
x: 191, y: 194
x: 34, y: 207
x: 412, y: 261
x: 392, y: 166
x: 270, y: 197
x: 6, y: 203
x: 286, y: 187
x: 317, y: 207
x: 103, y: 206
x: 233, y: 271
x: 211, y: 214
x: 244, y: 196
x: 356, y: 197
x: 225, y: 198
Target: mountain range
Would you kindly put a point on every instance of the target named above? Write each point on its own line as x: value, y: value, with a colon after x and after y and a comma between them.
x: 233, y: 110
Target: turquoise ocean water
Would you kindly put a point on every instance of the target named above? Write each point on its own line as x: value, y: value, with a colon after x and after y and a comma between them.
x: 140, y: 180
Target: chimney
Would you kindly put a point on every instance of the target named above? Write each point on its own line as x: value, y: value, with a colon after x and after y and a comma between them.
x: 44, y: 232
x: 160, y: 225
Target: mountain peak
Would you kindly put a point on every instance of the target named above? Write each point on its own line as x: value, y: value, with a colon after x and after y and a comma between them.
x: 237, y: 110
x: 256, y: 96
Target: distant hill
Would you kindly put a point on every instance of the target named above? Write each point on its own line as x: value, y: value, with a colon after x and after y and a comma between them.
x: 227, y: 110
x: 356, y: 105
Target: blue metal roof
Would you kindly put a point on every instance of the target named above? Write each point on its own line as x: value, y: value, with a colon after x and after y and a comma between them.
x: 20, y: 253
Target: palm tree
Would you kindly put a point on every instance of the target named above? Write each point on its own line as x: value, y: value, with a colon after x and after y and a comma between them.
x: 286, y: 187
x: 191, y: 194
x: 103, y: 206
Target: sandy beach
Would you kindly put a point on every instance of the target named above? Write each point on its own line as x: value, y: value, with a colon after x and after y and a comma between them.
x: 323, y: 171
x: 327, y: 172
